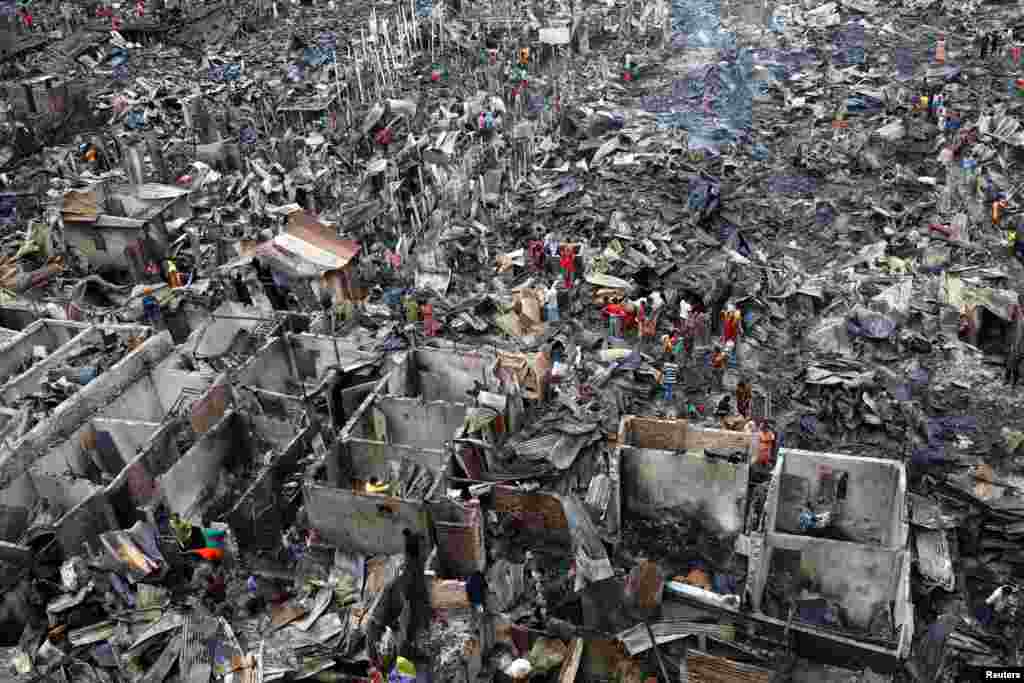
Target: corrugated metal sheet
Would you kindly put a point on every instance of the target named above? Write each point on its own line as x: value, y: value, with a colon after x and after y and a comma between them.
x: 311, y: 239
x: 702, y: 668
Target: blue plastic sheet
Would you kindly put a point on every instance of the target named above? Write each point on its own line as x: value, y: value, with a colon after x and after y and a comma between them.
x: 946, y: 428
x: 848, y: 56
x: 903, y: 57
x: 424, y: 7
x: 118, y: 56
x: 700, y: 21
x: 870, y: 324
x: 863, y: 103
x: 722, y: 112
x: 223, y: 73
x: 824, y: 215
x: 809, y: 424
x: 317, y: 56
x: 8, y: 208
x: 328, y: 42
x: 724, y: 584
x: 939, y: 430
x: 792, y: 184
x: 698, y: 193
x: 135, y: 120
x: 741, y: 246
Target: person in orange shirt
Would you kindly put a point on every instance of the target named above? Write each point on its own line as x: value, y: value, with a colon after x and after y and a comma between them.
x: 998, y: 206
x: 765, y: 456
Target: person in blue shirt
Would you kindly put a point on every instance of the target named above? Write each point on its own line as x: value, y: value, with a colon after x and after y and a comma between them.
x: 668, y: 379
x: 150, y: 307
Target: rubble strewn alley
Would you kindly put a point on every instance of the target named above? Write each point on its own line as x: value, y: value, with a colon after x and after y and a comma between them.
x: 587, y: 341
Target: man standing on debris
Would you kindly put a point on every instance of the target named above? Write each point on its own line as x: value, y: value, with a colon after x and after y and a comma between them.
x: 668, y: 380
x: 404, y: 606
x: 150, y: 307
x: 765, y: 455
x: 568, y: 264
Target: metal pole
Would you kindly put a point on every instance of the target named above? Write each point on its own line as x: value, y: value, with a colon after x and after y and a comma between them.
x: 657, y: 652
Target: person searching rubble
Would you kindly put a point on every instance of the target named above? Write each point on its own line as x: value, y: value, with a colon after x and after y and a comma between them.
x: 407, y: 593
x: 764, y: 454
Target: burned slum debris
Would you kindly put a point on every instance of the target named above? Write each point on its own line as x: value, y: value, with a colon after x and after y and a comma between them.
x: 346, y: 341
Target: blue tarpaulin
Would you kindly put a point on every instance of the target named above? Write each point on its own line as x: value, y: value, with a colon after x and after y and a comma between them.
x: 118, y: 56
x: 8, y: 208
x: 863, y: 103
x: 223, y: 73
x: 722, y: 112
x: 135, y: 120
x: 870, y: 324
x: 317, y: 56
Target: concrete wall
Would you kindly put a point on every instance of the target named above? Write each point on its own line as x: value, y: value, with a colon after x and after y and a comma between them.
x: 31, y: 381
x: 656, y: 482
x: 272, y: 367
x: 170, y: 383
x: 419, y: 424
x: 189, y: 483
x: 50, y: 334
x: 446, y: 375
x: 90, y: 399
x: 63, y: 491
x: 872, y: 509
x: 269, y: 368
x: 84, y: 523
x: 126, y: 438
x: 219, y: 334
x: 370, y: 458
x: 367, y: 524
x: 857, y: 576
x: 316, y: 354
x: 262, y: 512
x: 17, y: 500
x: 137, y: 486
x: 139, y: 401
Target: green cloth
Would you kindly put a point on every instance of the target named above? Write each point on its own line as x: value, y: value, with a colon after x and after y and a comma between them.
x: 182, y: 531
x: 214, y: 537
